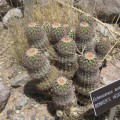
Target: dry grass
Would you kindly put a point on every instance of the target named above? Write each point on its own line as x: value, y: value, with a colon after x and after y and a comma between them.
x: 17, y: 35
x: 52, y: 12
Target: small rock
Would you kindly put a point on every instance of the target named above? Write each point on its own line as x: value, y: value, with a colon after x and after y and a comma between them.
x: 21, y: 79
x: 4, y: 96
x: 9, y: 113
x: 14, y: 12
x: 22, y: 102
x: 17, y: 111
x: 111, y: 72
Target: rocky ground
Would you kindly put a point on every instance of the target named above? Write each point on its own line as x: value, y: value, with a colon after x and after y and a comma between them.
x: 13, y: 77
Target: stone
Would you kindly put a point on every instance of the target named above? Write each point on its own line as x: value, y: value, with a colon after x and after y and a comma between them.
x: 14, y: 12
x: 111, y: 72
x: 21, y: 102
x: 104, y: 9
x: 104, y: 30
x: 9, y: 113
x: 21, y: 79
x: 4, y: 96
x: 4, y: 6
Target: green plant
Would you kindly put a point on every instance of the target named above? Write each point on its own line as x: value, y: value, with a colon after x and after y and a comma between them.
x: 88, y: 62
x: 57, y: 32
x: 34, y: 32
x: 66, y: 46
x: 63, y: 93
x: 85, y: 37
x: 41, y: 71
x: 84, y: 32
x: 72, y: 33
x: 85, y: 90
x: 46, y: 82
x: 47, y: 27
x: 87, y: 78
x: 87, y: 18
x: 102, y: 47
x: 87, y: 74
x: 33, y: 59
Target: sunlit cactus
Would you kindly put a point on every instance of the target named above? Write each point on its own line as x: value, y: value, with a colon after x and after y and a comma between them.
x: 34, y: 32
x: 46, y: 82
x: 63, y: 93
x: 87, y: 73
x: 67, y: 57
x: 57, y: 32
x: 85, y: 37
x: 33, y: 58
x: 66, y: 46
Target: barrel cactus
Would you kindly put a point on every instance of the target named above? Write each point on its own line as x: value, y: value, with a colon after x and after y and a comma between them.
x: 34, y: 32
x: 63, y: 93
x: 88, y: 62
x: 33, y: 58
x: 57, y: 32
x: 46, y: 82
x: 66, y: 46
x: 85, y: 37
x: 87, y: 73
x: 36, y: 62
x: 102, y: 47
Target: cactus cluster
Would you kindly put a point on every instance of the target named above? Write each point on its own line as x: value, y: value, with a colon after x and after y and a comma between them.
x: 53, y: 52
x: 63, y: 93
x: 87, y: 73
x: 67, y: 58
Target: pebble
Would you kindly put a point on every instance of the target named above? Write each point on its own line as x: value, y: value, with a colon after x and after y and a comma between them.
x: 14, y: 12
x: 4, y: 95
x: 22, y: 102
x: 9, y: 113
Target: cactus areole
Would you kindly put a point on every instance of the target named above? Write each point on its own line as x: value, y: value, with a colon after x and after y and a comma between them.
x: 31, y: 52
x: 84, y: 24
x: 61, y: 81
x: 90, y: 56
